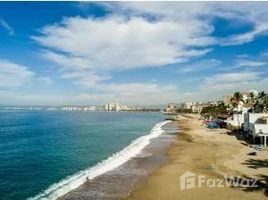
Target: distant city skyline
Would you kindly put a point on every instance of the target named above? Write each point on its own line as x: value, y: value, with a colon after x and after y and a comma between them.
x: 141, y: 53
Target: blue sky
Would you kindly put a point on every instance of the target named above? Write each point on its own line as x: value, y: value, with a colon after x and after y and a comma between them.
x: 54, y: 53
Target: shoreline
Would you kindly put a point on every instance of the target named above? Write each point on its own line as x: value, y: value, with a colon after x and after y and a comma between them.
x: 210, y: 153
x: 121, y: 181
x: 182, y: 146
x: 75, y: 184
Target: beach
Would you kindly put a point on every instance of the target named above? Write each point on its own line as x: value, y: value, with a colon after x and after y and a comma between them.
x: 118, y: 183
x: 212, y: 154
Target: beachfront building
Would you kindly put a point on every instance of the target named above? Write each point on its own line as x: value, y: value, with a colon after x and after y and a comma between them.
x: 256, y: 126
x: 242, y: 105
x: 236, y: 120
x: 171, y: 108
x: 188, y: 105
x: 111, y: 106
x: 89, y: 108
x: 197, y: 107
x: 79, y: 108
x: 71, y: 108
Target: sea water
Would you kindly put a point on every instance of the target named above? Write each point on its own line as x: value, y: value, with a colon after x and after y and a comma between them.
x: 44, y: 154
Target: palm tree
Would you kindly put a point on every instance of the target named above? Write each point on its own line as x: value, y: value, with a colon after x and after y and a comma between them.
x: 265, y: 102
x: 235, y: 100
x: 259, y: 105
x: 261, y: 95
x: 250, y: 101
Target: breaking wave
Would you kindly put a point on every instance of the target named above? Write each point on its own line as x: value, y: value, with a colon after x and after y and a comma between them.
x: 72, y: 182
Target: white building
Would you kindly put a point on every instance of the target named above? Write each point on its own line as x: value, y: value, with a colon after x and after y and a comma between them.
x: 256, y: 125
x: 197, y: 107
x: 188, y: 105
x: 115, y: 107
x: 236, y: 120
x: 106, y: 106
x: 171, y: 107
x: 71, y: 108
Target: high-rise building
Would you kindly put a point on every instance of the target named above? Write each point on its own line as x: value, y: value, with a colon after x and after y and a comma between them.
x: 111, y: 106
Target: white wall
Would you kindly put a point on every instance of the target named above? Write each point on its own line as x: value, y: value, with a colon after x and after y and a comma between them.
x: 251, y: 118
x: 236, y: 120
x: 261, y: 128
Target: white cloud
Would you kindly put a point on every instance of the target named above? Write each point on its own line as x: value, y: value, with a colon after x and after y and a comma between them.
x: 264, y: 54
x: 253, y: 13
x: 250, y: 63
x: 260, y: 29
x: 129, y: 93
x: 46, y: 80
x: 120, y: 43
x: 134, y: 93
x: 231, y: 78
x: 216, y: 86
x: 67, y: 62
x: 12, y: 74
x: 201, y: 65
x: 84, y: 78
x: 174, y: 33
x: 96, y: 47
x: 6, y: 26
x: 150, y: 34
x: 170, y: 10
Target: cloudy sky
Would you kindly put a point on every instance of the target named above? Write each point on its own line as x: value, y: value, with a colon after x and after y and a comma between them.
x: 134, y: 53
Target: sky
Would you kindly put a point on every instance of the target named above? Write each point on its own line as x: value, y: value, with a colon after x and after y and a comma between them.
x: 59, y: 53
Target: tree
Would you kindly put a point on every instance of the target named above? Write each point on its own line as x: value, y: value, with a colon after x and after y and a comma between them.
x: 251, y: 100
x: 261, y: 102
x: 235, y: 100
x: 215, y: 110
x: 265, y: 103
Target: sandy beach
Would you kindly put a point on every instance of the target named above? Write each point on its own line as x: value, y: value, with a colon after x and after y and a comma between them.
x: 210, y: 153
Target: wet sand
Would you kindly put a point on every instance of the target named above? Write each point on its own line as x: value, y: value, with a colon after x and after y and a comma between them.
x: 119, y: 183
x: 211, y: 153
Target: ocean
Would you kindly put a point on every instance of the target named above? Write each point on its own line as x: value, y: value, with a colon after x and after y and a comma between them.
x: 44, y: 154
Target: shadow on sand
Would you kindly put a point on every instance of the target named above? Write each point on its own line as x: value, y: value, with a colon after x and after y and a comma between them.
x: 260, y: 184
x: 248, y: 184
x: 256, y: 163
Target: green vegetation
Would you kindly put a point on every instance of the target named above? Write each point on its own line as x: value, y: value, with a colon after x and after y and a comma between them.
x: 215, y: 110
x: 260, y: 102
x: 257, y: 103
x: 237, y: 97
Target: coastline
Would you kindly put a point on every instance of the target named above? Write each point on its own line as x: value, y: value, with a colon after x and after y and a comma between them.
x: 120, y: 182
x: 117, y: 164
x: 153, y: 172
x: 211, y: 153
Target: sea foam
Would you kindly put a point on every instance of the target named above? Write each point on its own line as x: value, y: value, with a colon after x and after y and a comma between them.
x: 72, y: 182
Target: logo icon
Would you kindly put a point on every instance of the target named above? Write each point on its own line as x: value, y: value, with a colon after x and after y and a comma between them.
x: 187, y: 180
